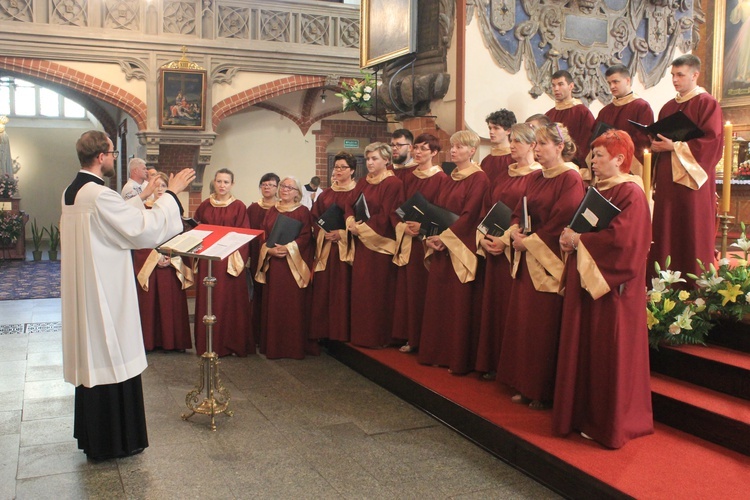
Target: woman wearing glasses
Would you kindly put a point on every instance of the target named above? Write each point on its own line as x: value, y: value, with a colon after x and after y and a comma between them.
x: 603, y: 381
x: 332, y: 274
x: 508, y: 188
x: 232, y: 333
x: 256, y: 212
x: 161, y: 293
x: 532, y: 326
x: 285, y: 271
x: 448, y: 334
x: 411, y: 280
x: 373, y: 274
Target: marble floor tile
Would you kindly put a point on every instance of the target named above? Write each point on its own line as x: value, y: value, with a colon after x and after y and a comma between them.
x: 10, y: 422
x: 47, y: 431
x: 48, y: 389
x: 89, y: 484
x: 34, y: 409
x: 58, y: 458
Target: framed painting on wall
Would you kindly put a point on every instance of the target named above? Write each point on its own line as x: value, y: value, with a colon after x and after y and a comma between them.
x: 731, y: 64
x: 182, y: 99
x: 388, y: 29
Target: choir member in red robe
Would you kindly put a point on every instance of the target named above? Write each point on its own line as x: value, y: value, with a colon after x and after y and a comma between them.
x: 603, y: 385
x: 508, y: 188
x: 232, y: 332
x: 333, y: 275
x: 496, y: 163
x: 161, y: 293
x: 402, y: 145
x: 626, y: 105
x: 373, y: 273
x: 685, y: 177
x: 448, y: 333
x: 411, y: 281
x: 285, y: 272
x: 529, y: 350
x: 574, y: 115
x: 256, y: 212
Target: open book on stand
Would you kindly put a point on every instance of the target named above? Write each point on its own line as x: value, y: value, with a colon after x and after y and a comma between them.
x: 209, y: 241
x: 497, y: 220
x: 284, y: 230
x: 594, y: 213
x: 675, y: 127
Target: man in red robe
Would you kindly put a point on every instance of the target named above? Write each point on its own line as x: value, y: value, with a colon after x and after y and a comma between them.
x: 497, y: 161
x: 626, y: 105
x: 573, y: 114
x: 685, y: 176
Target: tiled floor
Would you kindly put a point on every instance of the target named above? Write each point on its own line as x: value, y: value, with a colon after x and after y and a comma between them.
x: 301, y: 429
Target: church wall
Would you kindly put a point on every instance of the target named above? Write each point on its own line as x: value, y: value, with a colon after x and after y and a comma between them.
x: 112, y: 74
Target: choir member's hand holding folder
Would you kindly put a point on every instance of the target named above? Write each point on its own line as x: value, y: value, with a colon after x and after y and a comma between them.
x: 675, y: 127
x: 332, y: 219
x: 361, y: 210
x: 594, y: 214
x: 497, y: 220
x: 284, y: 230
x: 433, y: 219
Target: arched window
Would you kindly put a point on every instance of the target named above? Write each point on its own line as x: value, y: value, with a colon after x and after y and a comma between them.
x: 19, y: 98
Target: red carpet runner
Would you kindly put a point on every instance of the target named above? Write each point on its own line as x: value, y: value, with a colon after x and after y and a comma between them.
x: 667, y: 464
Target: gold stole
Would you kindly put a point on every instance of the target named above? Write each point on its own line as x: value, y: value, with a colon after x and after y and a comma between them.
x: 408, y: 164
x: 265, y: 206
x: 300, y: 270
x: 500, y: 151
x: 567, y: 104
x: 403, y: 241
x: 323, y: 246
x: 367, y: 235
x: 184, y: 273
x: 464, y: 260
x: 685, y: 168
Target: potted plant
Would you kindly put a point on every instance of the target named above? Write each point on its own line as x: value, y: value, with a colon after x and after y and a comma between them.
x: 36, y: 237
x: 54, y: 240
x: 8, y: 186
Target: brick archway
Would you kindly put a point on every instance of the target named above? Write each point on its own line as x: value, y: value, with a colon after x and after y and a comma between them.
x: 87, y: 84
x: 330, y: 129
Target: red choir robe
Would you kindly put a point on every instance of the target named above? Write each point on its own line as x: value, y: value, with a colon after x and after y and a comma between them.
x: 496, y: 163
x: 579, y: 121
x: 232, y: 332
x: 603, y: 379
x: 162, y: 301
x: 529, y: 350
x: 403, y: 171
x: 256, y: 212
x: 685, y: 188
x: 411, y: 279
x: 508, y: 188
x: 448, y: 335
x: 333, y: 275
x: 373, y: 273
x: 618, y: 112
x: 284, y: 321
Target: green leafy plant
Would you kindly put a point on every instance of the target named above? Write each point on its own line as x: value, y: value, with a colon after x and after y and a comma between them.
x: 359, y: 95
x: 54, y: 237
x: 37, y: 234
x: 11, y: 224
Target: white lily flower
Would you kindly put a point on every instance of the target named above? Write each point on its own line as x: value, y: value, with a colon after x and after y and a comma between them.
x: 657, y: 285
x: 674, y: 329
x: 724, y: 262
x: 671, y: 277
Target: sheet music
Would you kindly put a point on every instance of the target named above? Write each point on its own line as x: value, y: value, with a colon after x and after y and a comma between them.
x: 227, y: 244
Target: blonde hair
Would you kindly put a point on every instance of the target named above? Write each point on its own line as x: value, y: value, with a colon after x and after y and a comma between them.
x: 466, y: 138
x: 298, y: 196
x: 523, y: 132
x: 557, y: 133
x: 381, y: 148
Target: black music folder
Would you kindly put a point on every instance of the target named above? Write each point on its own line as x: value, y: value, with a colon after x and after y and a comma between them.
x: 594, y: 213
x: 413, y: 209
x: 284, y: 230
x: 600, y: 128
x: 361, y: 211
x: 525, y: 222
x: 436, y: 220
x: 332, y: 219
x: 676, y: 127
x: 497, y: 220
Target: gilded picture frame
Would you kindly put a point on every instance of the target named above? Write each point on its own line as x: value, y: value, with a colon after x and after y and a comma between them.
x: 182, y: 99
x: 388, y: 29
x: 731, y: 57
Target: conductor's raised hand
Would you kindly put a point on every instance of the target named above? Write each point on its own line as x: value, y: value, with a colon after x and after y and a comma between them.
x: 181, y: 180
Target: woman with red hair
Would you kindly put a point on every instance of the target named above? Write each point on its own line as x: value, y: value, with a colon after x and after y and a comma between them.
x: 603, y: 383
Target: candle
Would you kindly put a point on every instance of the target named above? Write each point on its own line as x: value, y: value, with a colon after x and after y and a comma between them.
x: 647, y: 174
x: 727, y: 187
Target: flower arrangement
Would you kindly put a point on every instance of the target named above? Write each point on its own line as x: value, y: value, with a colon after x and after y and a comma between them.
x: 359, y: 95
x: 674, y: 316
x: 8, y: 186
x: 11, y: 224
x: 743, y: 171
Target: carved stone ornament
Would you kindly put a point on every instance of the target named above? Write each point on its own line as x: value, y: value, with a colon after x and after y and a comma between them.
x: 587, y: 36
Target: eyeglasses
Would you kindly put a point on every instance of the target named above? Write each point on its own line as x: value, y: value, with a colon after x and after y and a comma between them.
x: 114, y: 154
x: 397, y: 145
x: 268, y: 185
x: 424, y: 148
x: 341, y: 168
x: 284, y: 187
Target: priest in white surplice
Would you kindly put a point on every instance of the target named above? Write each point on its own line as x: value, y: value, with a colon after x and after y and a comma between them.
x: 103, y: 353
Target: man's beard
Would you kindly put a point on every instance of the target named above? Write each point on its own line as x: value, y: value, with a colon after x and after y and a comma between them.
x: 400, y: 159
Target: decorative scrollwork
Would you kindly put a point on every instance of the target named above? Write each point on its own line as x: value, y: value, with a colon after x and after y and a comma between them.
x: 274, y: 25
x: 179, y: 17
x: 122, y: 15
x: 223, y: 73
x: 133, y: 68
x: 69, y: 12
x: 349, y: 36
x: 17, y: 10
x: 584, y: 36
x: 234, y: 22
x: 314, y: 29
